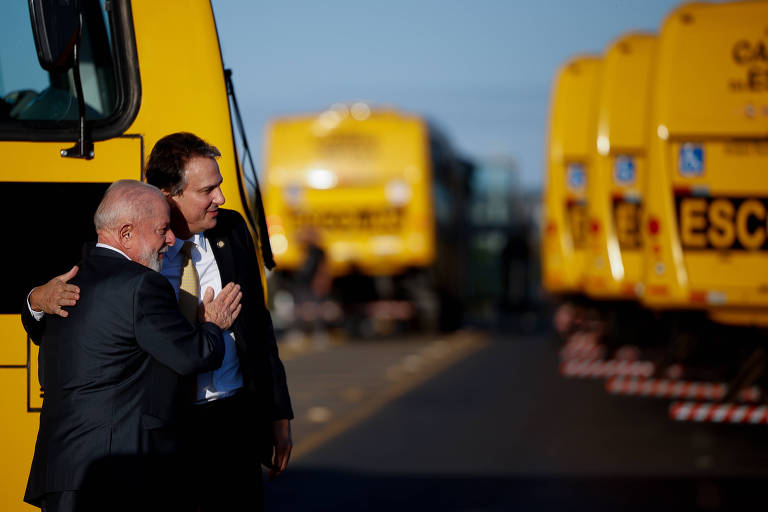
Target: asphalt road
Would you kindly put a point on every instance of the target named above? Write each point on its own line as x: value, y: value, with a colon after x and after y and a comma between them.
x: 501, y: 430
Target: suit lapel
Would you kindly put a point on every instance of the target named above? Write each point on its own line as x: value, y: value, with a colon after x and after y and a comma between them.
x: 221, y: 245
x: 222, y: 252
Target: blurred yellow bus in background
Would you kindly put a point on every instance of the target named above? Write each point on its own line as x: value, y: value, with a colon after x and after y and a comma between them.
x: 383, y: 194
x: 614, y: 196
x: 570, y: 155
x: 569, y: 159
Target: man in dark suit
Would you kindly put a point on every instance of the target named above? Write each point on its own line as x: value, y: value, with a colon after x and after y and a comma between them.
x: 112, y: 367
x: 242, y: 409
x: 244, y: 405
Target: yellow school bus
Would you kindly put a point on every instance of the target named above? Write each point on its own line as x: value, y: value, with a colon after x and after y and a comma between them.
x: 614, y: 197
x: 570, y: 158
x: 382, y: 190
x: 147, y: 69
x: 707, y: 188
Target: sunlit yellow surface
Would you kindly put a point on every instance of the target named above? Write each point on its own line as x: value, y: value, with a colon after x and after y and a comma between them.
x: 360, y: 179
x: 182, y: 89
x: 614, y: 198
x: 571, y: 142
x: 18, y: 432
x: 18, y: 428
x: 710, y: 98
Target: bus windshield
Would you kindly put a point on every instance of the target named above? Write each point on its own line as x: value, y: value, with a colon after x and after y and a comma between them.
x: 30, y: 93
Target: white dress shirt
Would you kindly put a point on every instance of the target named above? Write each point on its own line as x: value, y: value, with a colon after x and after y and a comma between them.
x: 228, y: 378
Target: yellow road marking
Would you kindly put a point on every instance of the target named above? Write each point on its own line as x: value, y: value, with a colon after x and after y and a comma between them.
x: 463, y: 344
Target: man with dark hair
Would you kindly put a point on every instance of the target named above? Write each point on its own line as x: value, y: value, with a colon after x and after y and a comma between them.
x: 113, y: 366
x: 170, y: 156
x: 243, y: 409
x: 249, y: 391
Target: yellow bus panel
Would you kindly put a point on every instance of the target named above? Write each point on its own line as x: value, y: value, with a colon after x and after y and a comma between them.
x: 707, y: 189
x: 19, y: 431
x: 13, y: 351
x: 360, y: 180
x: 614, y: 197
x: 570, y: 156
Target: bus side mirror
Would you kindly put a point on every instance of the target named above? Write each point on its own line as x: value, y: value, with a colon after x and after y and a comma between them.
x: 56, y: 28
x: 56, y: 25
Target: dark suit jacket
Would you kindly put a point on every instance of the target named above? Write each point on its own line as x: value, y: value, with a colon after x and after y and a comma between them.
x: 112, y: 371
x: 263, y: 372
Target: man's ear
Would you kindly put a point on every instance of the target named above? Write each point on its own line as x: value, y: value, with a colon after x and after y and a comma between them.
x: 126, y: 234
x: 169, y: 198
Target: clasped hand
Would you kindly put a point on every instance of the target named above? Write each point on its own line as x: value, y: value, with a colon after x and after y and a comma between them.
x: 222, y: 310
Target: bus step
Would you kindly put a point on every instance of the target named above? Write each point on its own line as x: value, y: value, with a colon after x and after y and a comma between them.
x: 668, y: 388
x: 711, y: 412
x: 604, y: 368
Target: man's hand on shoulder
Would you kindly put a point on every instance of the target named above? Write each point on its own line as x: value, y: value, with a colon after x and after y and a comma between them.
x: 283, y: 447
x: 56, y: 293
x: 222, y: 310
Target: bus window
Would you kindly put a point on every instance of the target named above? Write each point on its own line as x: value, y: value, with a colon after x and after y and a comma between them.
x: 35, y: 103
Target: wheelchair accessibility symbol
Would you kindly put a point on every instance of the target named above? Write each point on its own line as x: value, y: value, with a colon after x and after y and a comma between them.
x: 624, y: 170
x: 691, y: 160
x: 575, y: 176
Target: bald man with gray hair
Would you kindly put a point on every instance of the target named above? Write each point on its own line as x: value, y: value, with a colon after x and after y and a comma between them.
x: 113, y: 366
x: 129, y: 204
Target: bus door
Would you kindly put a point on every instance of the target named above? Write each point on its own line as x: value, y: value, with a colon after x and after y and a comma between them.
x: 707, y: 190
x: 572, y: 128
x: 614, y: 263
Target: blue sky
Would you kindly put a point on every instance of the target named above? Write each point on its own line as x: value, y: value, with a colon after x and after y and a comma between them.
x: 481, y: 70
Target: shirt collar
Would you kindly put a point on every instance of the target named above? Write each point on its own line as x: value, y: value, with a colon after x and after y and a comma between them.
x: 197, y: 238
x: 105, y: 246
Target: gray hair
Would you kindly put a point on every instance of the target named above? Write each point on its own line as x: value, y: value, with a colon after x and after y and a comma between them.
x: 125, y: 201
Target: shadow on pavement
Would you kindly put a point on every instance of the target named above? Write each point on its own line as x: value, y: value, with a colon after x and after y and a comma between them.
x: 314, y: 490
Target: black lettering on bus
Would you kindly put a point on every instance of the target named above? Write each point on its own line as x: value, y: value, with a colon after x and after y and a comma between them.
x: 373, y: 219
x: 693, y: 222
x: 740, y: 51
x: 722, y: 223
x: 744, y: 52
x: 626, y: 220
x: 577, y: 221
x: 757, y: 79
x: 721, y: 232
x: 751, y: 233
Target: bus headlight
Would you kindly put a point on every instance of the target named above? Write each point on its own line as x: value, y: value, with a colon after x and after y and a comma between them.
x: 279, y: 243
x: 321, y: 179
x: 398, y: 192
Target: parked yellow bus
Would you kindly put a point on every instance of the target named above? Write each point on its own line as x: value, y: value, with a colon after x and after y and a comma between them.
x: 147, y: 69
x: 614, y: 197
x: 384, y: 193
x: 707, y: 189
x: 570, y: 155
